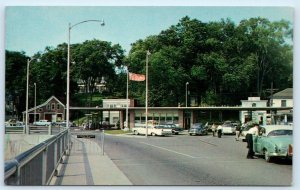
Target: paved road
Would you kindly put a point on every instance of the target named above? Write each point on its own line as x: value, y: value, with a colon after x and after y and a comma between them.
x: 192, y: 160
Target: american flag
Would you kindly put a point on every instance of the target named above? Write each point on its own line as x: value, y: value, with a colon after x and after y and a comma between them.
x: 136, y: 77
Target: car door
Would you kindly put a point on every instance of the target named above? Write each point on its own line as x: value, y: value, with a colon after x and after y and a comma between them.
x: 257, y: 143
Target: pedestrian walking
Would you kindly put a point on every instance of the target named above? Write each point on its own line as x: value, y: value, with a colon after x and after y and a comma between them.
x: 220, y: 130
x: 249, y: 137
x: 213, y: 129
x: 237, y: 132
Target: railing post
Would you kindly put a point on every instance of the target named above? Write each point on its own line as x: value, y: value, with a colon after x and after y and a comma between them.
x: 50, y: 129
x: 68, y: 142
x: 60, y: 150
x: 44, y: 165
x: 103, y: 142
x: 55, y: 157
x: 18, y: 177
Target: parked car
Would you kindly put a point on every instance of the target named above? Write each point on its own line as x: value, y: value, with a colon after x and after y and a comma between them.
x: 275, y: 141
x: 15, y: 124
x: 198, y: 129
x: 43, y: 122
x: 154, y: 130
x: 175, y: 129
x: 245, y: 129
x: 228, y: 128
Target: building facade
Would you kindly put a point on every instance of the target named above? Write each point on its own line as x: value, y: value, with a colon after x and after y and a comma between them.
x: 113, y: 117
x: 256, y: 116
x: 283, y: 98
x: 52, y: 110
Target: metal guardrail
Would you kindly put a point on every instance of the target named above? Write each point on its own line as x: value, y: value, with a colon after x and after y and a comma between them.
x: 37, y: 165
x: 49, y: 130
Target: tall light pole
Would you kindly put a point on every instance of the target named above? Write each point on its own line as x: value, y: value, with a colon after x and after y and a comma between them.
x: 27, y: 87
x: 68, y: 64
x: 147, y: 60
x: 186, y: 94
x: 34, y: 102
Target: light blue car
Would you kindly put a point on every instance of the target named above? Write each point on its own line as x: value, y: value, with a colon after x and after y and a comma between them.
x: 274, y: 141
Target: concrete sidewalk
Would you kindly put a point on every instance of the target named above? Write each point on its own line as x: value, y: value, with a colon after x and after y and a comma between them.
x: 87, y: 166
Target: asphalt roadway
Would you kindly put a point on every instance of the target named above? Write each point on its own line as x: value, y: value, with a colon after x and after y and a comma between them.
x: 193, y: 160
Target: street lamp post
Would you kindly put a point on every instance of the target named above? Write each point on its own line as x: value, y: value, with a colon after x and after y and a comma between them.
x: 27, y: 87
x: 186, y: 94
x: 147, y: 60
x: 34, y: 102
x: 68, y: 65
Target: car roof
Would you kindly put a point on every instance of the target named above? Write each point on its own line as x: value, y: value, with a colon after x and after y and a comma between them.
x: 270, y: 128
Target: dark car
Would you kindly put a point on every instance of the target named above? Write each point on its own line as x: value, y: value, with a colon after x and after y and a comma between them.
x: 198, y: 129
x: 175, y: 129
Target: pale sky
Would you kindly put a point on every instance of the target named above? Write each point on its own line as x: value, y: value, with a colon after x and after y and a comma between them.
x: 32, y: 28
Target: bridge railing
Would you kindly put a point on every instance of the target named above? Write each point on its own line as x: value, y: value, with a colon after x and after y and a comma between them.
x: 37, y: 165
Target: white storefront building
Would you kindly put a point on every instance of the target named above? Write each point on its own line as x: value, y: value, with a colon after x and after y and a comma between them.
x: 259, y: 116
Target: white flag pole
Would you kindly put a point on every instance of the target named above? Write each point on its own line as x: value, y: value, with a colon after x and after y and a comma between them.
x: 127, y: 126
x: 148, y: 53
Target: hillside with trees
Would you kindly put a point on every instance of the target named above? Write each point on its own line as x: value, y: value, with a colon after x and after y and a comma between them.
x: 223, y: 62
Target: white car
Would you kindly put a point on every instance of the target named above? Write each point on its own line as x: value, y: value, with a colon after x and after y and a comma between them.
x: 228, y: 128
x: 43, y: 122
x: 152, y: 130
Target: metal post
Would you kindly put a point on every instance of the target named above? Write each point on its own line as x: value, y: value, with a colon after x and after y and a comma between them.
x: 147, y: 54
x: 103, y: 132
x: 44, y: 167
x: 68, y: 77
x: 127, y: 126
x: 68, y: 65
x: 27, y: 84
x: 34, y: 102
x: 186, y: 94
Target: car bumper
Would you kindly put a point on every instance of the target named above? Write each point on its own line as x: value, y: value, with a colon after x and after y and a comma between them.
x: 165, y: 133
x: 286, y: 155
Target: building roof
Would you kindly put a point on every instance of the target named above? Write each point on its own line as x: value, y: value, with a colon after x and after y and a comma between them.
x: 44, y: 104
x: 284, y: 94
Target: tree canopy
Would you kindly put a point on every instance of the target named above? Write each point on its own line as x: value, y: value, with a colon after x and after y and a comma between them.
x: 223, y: 63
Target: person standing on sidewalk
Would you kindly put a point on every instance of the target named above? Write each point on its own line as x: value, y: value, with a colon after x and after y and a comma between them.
x: 220, y: 130
x: 237, y: 132
x: 213, y: 129
x: 249, y: 137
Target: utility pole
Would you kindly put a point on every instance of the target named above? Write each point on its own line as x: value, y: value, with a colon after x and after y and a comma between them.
x: 271, y: 90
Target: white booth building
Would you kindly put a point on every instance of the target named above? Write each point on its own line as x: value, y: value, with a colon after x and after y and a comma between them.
x: 114, y: 116
x: 259, y: 116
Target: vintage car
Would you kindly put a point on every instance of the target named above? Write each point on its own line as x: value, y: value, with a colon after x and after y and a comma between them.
x: 228, y: 128
x: 175, y: 129
x: 198, y: 129
x: 274, y: 141
x: 42, y: 122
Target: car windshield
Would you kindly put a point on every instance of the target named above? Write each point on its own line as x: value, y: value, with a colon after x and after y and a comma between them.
x: 228, y: 125
x: 281, y: 132
x: 197, y: 125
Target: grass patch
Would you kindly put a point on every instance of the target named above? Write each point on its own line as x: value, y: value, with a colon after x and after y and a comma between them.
x: 115, y: 132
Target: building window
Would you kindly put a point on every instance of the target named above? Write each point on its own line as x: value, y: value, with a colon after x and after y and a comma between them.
x: 254, y: 105
x: 48, y: 106
x: 57, y: 106
x: 283, y: 103
x: 52, y: 106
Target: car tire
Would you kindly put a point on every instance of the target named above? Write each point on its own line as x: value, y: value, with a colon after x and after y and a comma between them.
x: 267, y: 156
x: 153, y: 134
x: 135, y: 132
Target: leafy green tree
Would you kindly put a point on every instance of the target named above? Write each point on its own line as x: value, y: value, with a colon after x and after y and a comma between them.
x: 94, y: 60
x: 15, y: 79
